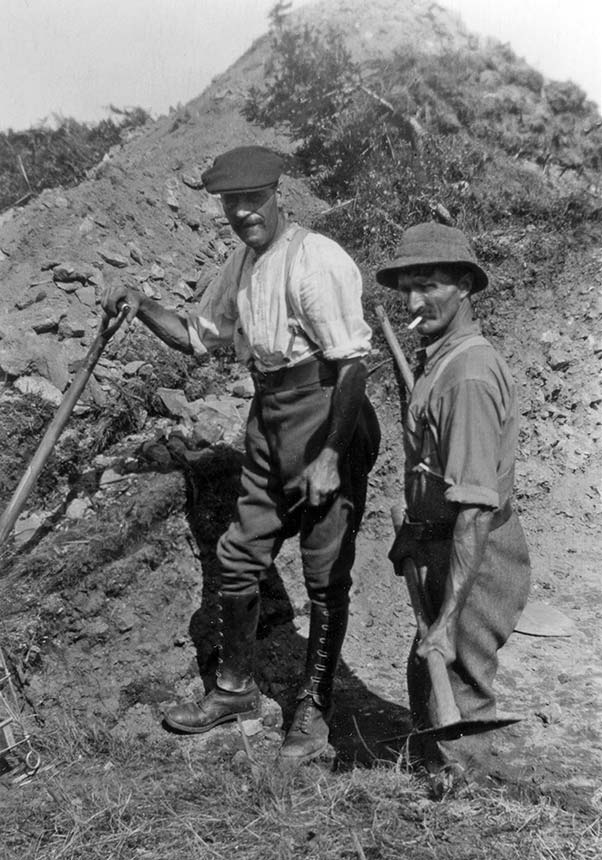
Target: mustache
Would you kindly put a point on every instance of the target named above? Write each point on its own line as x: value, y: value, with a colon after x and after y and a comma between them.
x: 249, y: 221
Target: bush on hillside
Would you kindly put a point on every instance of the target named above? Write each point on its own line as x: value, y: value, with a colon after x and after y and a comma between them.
x: 457, y: 138
x: 44, y: 157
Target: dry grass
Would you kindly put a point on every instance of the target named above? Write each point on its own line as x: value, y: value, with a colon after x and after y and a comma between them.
x: 99, y: 798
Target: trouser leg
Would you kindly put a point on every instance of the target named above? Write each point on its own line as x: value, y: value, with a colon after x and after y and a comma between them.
x: 492, y: 608
x: 328, y: 552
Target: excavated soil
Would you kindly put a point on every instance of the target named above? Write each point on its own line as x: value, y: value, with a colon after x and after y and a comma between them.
x: 110, y: 616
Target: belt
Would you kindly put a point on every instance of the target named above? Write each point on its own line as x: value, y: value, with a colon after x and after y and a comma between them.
x: 314, y: 371
x: 426, y: 530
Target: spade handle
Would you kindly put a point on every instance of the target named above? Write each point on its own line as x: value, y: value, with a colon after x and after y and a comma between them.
x: 445, y: 703
x: 57, y: 425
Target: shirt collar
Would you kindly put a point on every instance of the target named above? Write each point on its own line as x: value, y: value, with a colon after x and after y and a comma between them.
x: 431, y: 352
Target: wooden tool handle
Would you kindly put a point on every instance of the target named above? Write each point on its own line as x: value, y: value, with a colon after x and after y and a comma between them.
x: 444, y: 698
x: 447, y: 711
x: 57, y: 425
x: 400, y: 359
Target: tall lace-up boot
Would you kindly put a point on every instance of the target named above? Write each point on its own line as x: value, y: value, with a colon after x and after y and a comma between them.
x: 236, y: 693
x: 307, y: 737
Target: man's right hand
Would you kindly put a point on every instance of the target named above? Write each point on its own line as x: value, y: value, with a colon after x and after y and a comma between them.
x: 114, y: 296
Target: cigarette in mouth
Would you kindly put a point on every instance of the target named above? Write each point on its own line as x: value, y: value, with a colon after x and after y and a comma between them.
x: 415, y: 322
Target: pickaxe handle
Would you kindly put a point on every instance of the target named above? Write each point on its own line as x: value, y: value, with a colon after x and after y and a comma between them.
x: 400, y: 359
x: 447, y: 710
x: 57, y: 425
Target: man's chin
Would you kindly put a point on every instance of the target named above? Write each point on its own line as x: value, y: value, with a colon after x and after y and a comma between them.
x: 254, y: 237
x: 428, y: 328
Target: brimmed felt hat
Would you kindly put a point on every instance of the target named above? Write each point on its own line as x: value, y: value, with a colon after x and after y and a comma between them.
x: 246, y: 168
x: 430, y: 244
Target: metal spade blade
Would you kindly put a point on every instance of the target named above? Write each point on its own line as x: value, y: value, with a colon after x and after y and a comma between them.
x: 461, y: 729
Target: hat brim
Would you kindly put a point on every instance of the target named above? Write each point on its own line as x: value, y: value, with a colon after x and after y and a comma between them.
x: 387, y: 276
x: 246, y: 190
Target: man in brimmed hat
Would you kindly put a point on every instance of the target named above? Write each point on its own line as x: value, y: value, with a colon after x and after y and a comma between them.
x: 461, y: 436
x: 290, y: 301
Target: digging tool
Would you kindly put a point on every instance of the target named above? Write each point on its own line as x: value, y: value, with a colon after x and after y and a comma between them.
x: 450, y: 725
x: 106, y: 330
x: 539, y: 619
x: 396, y: 350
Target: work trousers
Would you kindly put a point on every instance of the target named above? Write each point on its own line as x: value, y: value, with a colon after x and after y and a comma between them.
x: 492, y: 608
x: 286, y: 431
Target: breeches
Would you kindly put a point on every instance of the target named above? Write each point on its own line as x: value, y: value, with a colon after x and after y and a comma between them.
x: 285, y: 432
x: 487, y: 619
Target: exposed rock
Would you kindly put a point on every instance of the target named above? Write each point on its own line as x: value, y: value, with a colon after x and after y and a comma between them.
x: 133, y: 367
x: 192, y: 178
x: 171, y: 194
x: 39, y: 387
x: 182, y: 289
x: 68, y: 272
x: 151, y: 290
x: 175, y: 401
x: 67, y: 286
x: 111, y: 476
x: 87, y: 296
x: 86, y: 226
x: 78, y: 508
x: 114, y: 257
x: 26, y: 526
x: 26, y: 353
x: 244, y: 388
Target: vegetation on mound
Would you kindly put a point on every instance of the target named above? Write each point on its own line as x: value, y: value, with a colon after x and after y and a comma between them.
x: 45, y: 157
x: 474, y: 139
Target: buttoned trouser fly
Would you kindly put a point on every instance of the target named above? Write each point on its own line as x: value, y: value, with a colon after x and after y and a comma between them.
x: 487, y: 619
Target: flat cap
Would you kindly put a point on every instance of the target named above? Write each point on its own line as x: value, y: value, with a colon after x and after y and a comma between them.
x: 246, y: 168
x: 428, y: 244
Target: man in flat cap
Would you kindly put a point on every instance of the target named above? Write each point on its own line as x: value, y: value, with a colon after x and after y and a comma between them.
x: 460, y: 437
x: 290, y: 301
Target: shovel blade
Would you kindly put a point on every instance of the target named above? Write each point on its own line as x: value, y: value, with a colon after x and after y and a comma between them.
x: 539, y: 619
x: 463, y: 728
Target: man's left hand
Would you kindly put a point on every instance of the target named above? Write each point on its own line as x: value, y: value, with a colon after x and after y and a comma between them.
x: 321, y: 478
x: 441, y: 637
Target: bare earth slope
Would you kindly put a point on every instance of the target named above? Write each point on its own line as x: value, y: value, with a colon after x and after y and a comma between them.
x: 109, y: 615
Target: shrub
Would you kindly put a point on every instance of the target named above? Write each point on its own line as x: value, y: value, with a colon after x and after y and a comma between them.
x: 44, y: 157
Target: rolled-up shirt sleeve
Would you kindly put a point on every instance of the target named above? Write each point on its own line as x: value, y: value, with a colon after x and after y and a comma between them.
x: 213, y: 322
x: 326, y: 296
x: 470, y: 424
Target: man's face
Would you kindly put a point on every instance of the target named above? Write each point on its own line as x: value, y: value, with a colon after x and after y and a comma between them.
x: 434, y: 295
x: 253, y: 215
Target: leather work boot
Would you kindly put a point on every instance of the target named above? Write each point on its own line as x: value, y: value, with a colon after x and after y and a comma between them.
x: 218, y: 706
x: 236, y: 693
x: 307, y: 737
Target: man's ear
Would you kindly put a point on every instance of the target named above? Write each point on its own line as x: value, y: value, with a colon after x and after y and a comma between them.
x: 465, y: 284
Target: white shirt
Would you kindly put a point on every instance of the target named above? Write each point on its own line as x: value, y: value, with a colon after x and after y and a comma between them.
x: 249, y: 304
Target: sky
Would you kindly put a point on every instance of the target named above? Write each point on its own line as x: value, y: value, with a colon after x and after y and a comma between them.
x: 73, y: 58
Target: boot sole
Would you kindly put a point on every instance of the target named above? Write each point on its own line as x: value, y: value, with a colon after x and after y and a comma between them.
x: 302, y: 759
x: 199, y: 730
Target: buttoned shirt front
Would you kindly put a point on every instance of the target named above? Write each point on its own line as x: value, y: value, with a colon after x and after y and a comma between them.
x: 461, y: 429
x: 278, y: 318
